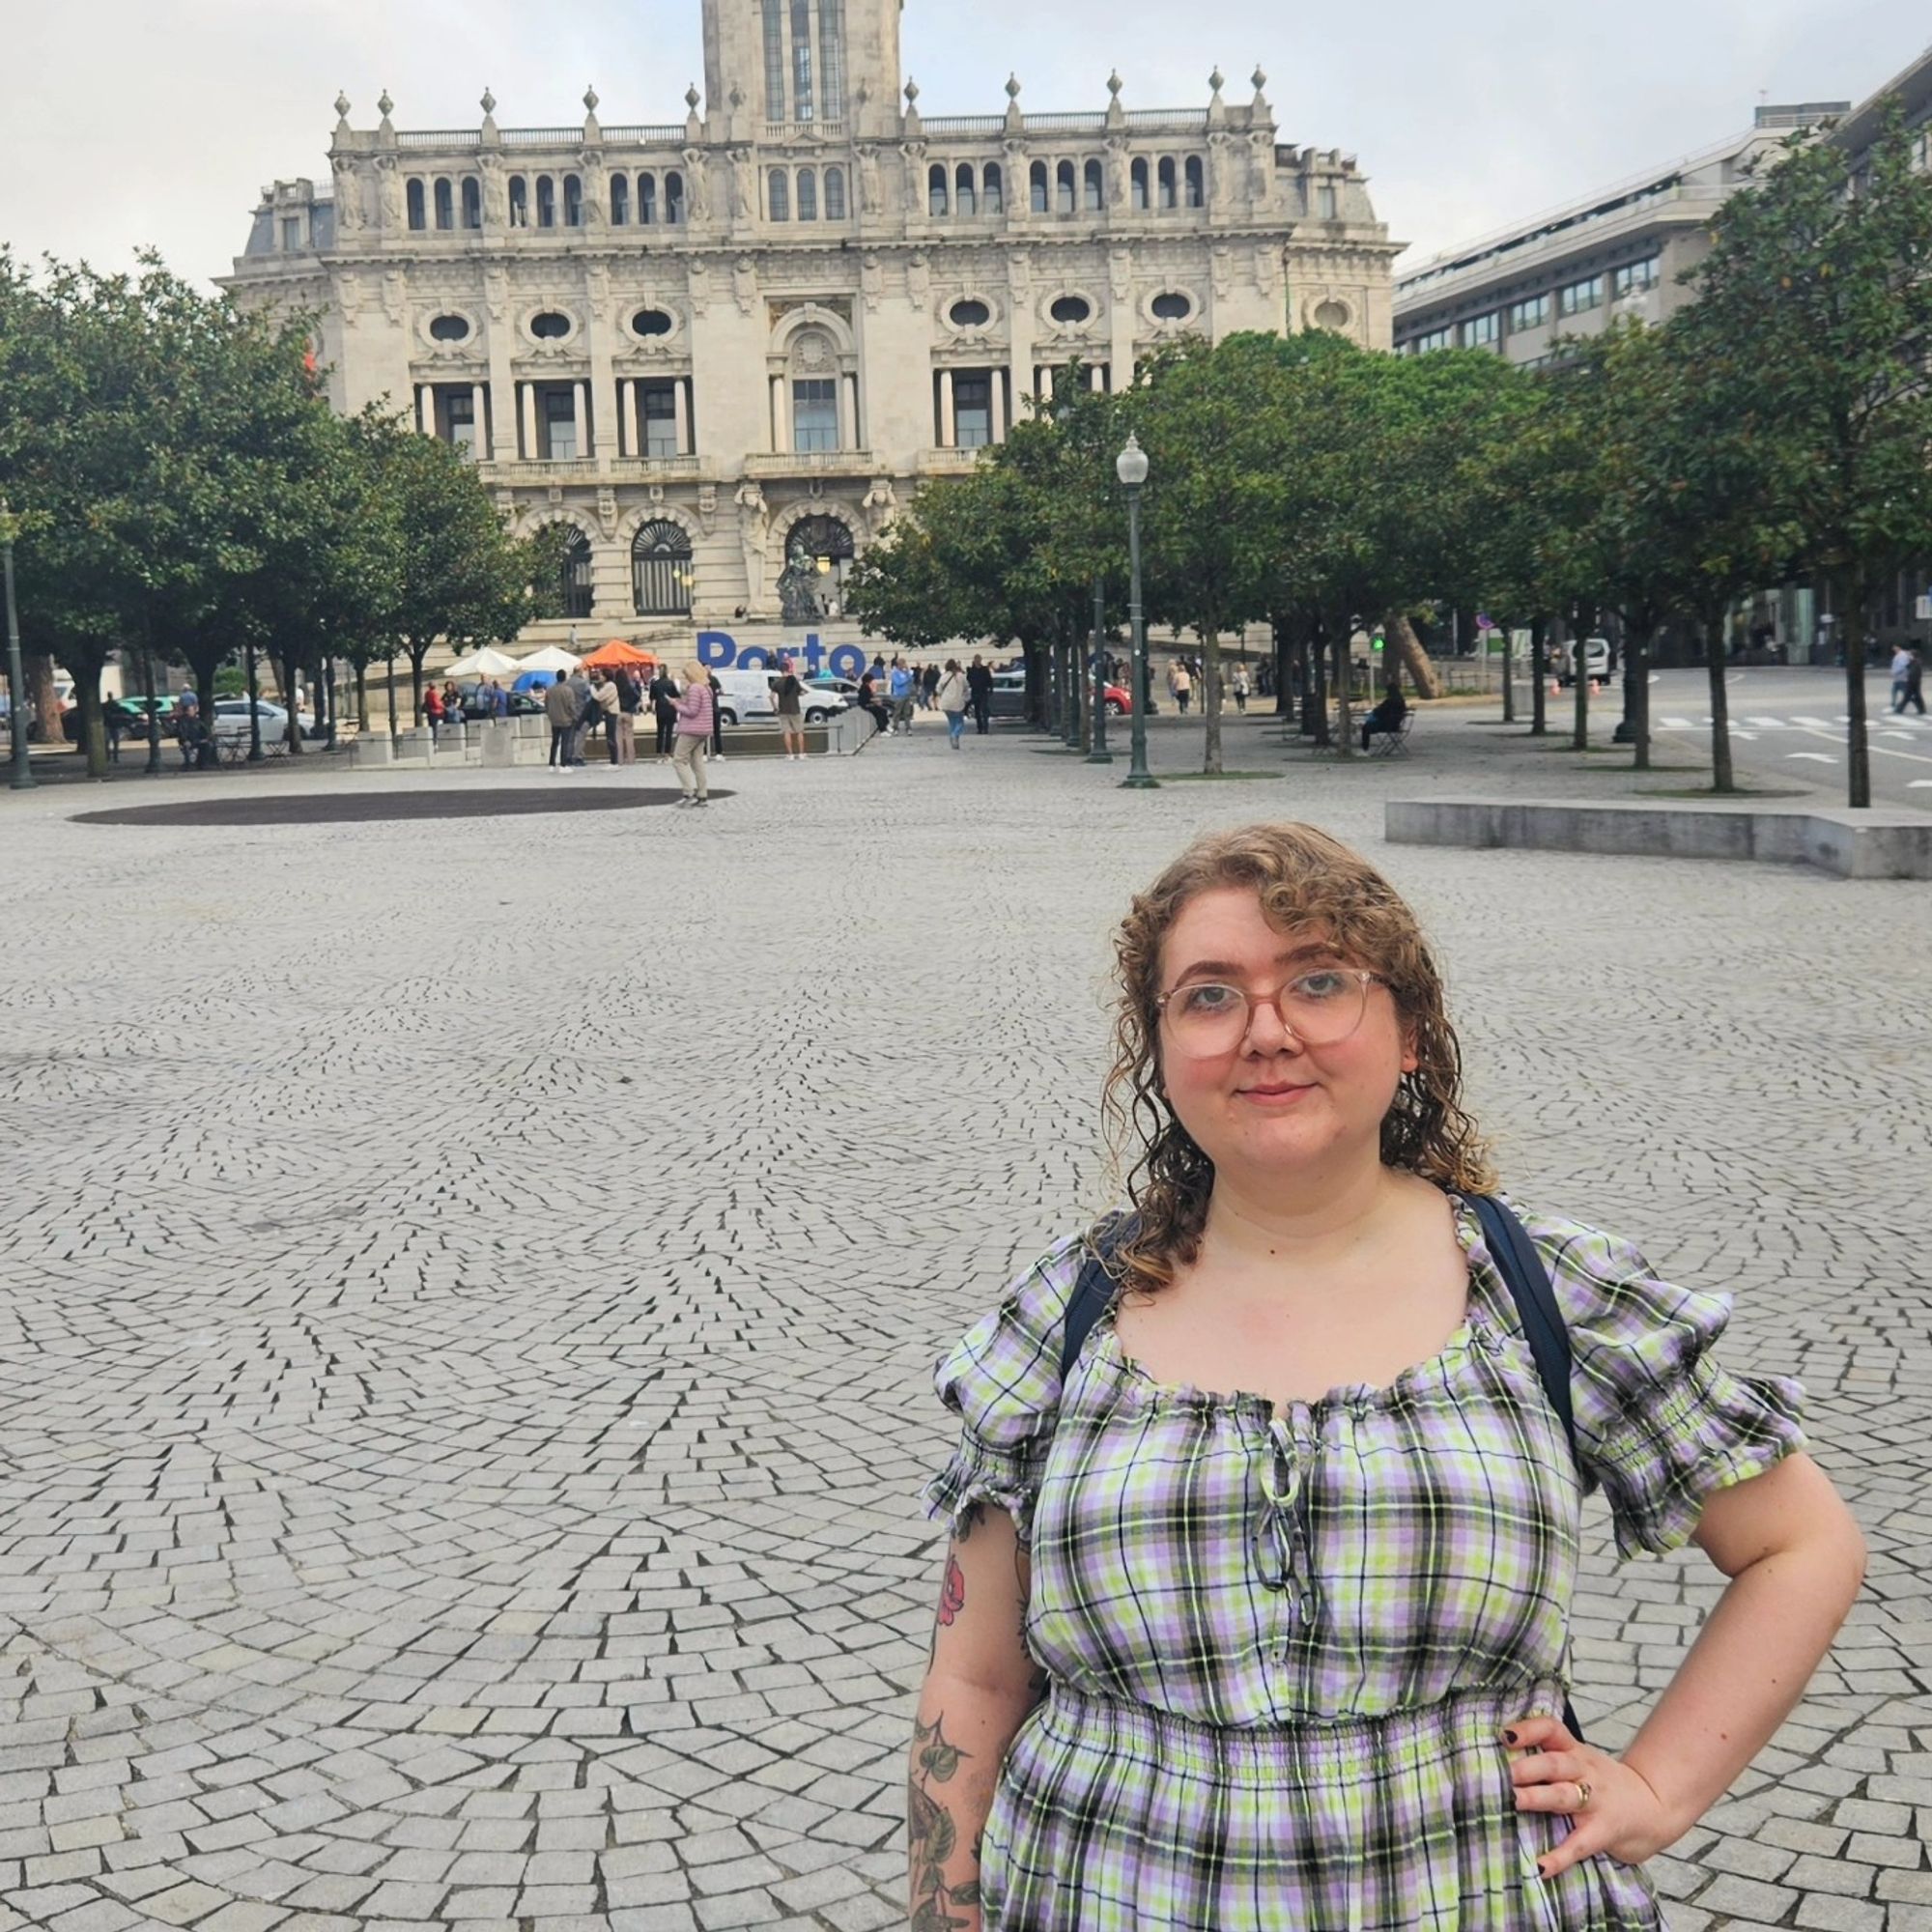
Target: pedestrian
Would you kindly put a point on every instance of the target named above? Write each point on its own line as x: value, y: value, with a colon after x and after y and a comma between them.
x: 1181, y: 682
x: 432, y: 711
x: 609, y: 710
x: 500, y: 700
x: 187, y: 725
x: 1293, y: 1657
x: 1387, y: 716
x: 1914, y: 681
x: 453, y: 709
x: 903, y: 688
x: 588, y: 713
x: 663, y: 695
x: 788, y: 697
x: 113, y: 722
x: 1240, y: 689
x: 696, y: 710
x: 979, y: 695
x: 1901, y: 672
x: 717, y: 718
x: 629, y: 698
x: 879, y: 680
x: 928, y: 684
x: 870, y: 704
x: 952, y: 698
x: 565, y: 711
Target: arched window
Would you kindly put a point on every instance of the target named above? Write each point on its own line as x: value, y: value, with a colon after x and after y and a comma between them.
x: 935, y: 189
x: 572, y: 202
x: 673, y: 197
x: 834, y: 194
x: 807, y: 194
x: 415, y: 194
x: 1096, y: 189
x: 661, y: 575
x: 576, y: 585
x: 1137, y: 185
x: 647, y: 200
x: 1064, y: 189
x: 520, y: 202
x: 1164, y: 181
x: 620, y: 200
x: 777, y: 195
x: 473, y: 202
x: 546, y: 202
x: 992, y: 189
x: 445, y: 206
x: 1195, y: 196
x: 963, y: 197
x: 819, y: 555
x: 1037, y: 187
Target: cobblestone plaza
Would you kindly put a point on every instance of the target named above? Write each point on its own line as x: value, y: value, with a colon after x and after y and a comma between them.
x: 472, y: 1290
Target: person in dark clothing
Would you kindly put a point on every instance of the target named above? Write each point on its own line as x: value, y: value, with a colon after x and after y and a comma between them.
x: 1387, y: 716
x: 870, y: 703
x: 717, y: 719
x: 663, y: 695
x: 979, y: 695
x: 1915, y: 683
x: 928, y: 683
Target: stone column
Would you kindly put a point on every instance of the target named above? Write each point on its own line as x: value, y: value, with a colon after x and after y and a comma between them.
x: 1095, y: 377
x: 680, y: 403
x: 580, y: 416
x: 999, y: 395
x: 845, y: 437
x: 948, y: 430
x: 626, y: 440
x: 479, y: 423
x: 527, y: 393
x: 425, y: 410
x: 852, y: 408
x: 780, y: 417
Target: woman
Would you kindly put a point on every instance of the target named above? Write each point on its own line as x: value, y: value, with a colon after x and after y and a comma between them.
x: 432, y: 705
x: 1289, y: 1655
x: 951, y: 699
x: 663, y: 709
x: 869, y: 702
x: 610, y: 708
x: 696, y: 710
x: 1388, y: 715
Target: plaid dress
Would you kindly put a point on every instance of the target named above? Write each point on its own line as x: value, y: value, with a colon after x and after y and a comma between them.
x: 1281, y: 1642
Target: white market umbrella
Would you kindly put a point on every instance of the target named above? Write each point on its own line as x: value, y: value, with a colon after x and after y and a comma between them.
x: 489, y: 661
x: 552, y: 657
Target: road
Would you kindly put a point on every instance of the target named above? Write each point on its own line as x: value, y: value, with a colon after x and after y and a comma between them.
x: 1787, y: 724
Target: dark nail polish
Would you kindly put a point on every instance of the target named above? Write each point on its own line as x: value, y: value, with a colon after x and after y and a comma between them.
x: 1509, y: 1737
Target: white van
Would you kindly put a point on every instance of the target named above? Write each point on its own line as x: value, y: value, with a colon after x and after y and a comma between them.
x: 744, y: 698
x: 1599, y: 655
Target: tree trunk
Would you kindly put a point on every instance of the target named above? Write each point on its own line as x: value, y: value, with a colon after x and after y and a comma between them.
x: 1210, y: 697
x: 1345, y: 710
x: 1509, y: 673
x: 42, y: 700
x: 1401, y: 633
x: 418, y: 652
x: 1636, y: 668
x: 392, y: 697
x: 362, y: 698
x: 1318, y: 687
x: 1857, y: 746
x: 1283, y: 648
x: 286, y: 669
x: 1720, y: 721
x: 1579, y: 665
x: 1539, y: 677
x: 84, y: 666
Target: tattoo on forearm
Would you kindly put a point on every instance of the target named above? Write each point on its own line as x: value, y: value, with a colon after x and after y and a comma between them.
x: 931, y: 1834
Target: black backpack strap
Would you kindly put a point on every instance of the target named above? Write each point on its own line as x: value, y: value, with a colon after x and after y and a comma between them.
x: 1543, y: 1325
x: 1093, y: 1292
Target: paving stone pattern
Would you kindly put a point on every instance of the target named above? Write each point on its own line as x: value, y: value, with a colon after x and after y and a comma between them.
x: 466, y: 1318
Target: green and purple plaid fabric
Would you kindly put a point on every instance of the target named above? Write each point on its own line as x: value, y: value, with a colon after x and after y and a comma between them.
x: 1281, y: 1643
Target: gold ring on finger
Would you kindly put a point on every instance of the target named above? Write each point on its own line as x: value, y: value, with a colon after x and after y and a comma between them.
x: 1583, y: 1794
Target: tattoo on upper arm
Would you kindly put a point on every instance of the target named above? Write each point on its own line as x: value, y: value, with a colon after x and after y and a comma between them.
x: 932, y: 1836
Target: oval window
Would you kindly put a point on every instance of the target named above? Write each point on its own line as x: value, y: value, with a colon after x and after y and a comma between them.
x: 1170, y: 306
x: 969, y: 315
x: 549, y: 325
x: 650, y: 322
x: 449, y: 328
x: 1070, y: 308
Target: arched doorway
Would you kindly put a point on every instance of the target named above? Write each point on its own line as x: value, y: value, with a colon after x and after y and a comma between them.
x: 661, y: 575
x: 819, y: 555
x: 578, y: 593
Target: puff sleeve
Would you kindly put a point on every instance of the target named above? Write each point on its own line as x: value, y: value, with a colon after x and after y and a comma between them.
x: 1003, y: 1382
x: 1661, y: 1423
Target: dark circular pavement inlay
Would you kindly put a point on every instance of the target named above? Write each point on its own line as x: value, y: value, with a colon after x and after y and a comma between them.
x: 374, y: 808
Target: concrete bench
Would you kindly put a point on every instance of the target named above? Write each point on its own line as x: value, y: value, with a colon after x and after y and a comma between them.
x: 1871, y: 844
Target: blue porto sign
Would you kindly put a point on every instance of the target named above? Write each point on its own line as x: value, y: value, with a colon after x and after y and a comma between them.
x: 719, y: 649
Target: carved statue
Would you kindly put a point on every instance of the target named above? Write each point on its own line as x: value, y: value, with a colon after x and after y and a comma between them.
x: 348, y: 198
x: 696, y: 186
x: 744, y: 185
x: 798, y: 591
x: 869, y: 192
x: 753, y: 521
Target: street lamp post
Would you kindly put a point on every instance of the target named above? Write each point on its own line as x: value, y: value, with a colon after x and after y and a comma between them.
x: 22, y: 778
x: 1099, y: 754
x: 1131, y: 467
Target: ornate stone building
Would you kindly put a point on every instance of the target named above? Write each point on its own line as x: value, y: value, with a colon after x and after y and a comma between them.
x: 726, y: 349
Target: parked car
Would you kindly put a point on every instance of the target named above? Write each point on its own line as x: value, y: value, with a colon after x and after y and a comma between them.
x: 744, y: 698
x: 1599, y: 655
x: 522, y: 703
x: 231, y: 720
x: 132, y: 713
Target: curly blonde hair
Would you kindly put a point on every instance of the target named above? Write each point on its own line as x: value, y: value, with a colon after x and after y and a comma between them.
x: 1303, y: 877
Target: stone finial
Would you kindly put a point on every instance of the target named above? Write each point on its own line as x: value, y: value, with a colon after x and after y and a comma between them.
x: 489, y: 103
x: 1260, y: 80
x: 1012, y: 87
x: 912, y: 93
x: 1217, y: 80
x: 384, y: 106
x: 591, y: 100
x: 691, y: 97
x: 341, y: 106
x: 1115, y: 84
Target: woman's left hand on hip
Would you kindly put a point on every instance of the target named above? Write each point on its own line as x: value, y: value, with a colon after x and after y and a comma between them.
x: 1610, y: 1807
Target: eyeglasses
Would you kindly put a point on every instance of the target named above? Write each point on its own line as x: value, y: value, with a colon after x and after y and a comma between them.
x: 1320, y: 1007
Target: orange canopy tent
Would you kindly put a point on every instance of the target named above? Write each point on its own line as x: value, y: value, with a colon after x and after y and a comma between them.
x: 617, y: 655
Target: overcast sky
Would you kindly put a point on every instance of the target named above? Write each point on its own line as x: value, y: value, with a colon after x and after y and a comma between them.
x: 131, y: 122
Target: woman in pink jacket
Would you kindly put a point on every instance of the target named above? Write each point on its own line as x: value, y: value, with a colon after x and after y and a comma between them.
x: 694, y: 734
